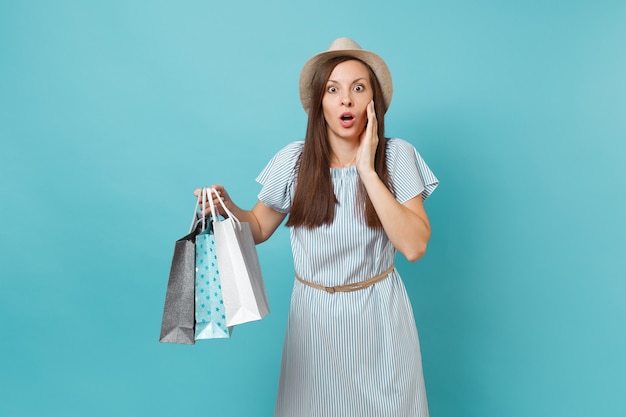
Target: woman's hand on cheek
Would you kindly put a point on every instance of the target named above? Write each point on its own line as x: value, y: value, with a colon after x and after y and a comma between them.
x: 369, y: 141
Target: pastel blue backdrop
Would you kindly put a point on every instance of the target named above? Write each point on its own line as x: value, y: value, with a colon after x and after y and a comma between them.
x: 112, y: 112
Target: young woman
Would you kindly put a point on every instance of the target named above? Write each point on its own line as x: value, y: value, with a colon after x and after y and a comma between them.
x: 354, y: 198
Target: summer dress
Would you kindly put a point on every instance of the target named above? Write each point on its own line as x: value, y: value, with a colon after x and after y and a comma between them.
x: 348, y: 354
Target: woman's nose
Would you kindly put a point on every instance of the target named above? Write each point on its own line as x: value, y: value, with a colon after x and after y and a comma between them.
x: 346, y: 100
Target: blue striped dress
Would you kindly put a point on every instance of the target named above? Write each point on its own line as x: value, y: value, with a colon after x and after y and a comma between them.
x: 348, y: 354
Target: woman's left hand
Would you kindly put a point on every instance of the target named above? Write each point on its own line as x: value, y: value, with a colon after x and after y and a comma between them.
x: 369, y: 142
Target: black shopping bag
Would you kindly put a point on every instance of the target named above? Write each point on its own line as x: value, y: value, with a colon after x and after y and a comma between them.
x: 178, y: 323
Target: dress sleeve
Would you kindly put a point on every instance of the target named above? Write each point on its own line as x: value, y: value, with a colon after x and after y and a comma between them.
x: 278, y: 177
x: 410, y: 175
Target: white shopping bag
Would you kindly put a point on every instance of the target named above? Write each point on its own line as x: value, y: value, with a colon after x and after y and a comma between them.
x: 243, y: 288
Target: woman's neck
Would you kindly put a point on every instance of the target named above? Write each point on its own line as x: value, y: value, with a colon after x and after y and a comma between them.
x: 337, y: 162
x: 343, y: 155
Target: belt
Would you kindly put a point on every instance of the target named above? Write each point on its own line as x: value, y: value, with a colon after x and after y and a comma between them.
x: 349, y: 287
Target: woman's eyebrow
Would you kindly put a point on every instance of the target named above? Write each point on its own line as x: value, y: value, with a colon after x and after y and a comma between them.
x: 358, y: 79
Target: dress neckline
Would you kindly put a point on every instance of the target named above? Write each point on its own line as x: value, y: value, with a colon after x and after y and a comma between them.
x: 343, y: 172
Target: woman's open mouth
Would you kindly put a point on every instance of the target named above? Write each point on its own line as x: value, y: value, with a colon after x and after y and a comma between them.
x: 347, y: 120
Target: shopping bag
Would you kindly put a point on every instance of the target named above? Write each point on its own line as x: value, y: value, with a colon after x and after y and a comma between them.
x: 177, y: 324
x: 243, y: 288
x: 209, y: 304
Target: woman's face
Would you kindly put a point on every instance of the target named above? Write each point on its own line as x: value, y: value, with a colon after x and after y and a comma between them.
x: 348, y: 92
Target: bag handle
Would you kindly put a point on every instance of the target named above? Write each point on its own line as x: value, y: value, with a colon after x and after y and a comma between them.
x: 209, y: 197
x: 230, y: 214
x: 203, y: 195
x: 195, y: 213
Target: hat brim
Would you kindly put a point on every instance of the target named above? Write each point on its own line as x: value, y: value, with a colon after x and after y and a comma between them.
x: 376, y: 63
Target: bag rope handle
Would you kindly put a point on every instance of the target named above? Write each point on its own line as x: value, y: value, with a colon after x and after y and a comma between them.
x: 230, y: 214
x: 209, y: 197
x: 203, y: 196
x: 194, y: 220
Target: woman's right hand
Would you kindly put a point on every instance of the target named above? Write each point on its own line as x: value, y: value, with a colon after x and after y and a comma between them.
x: 221, y: 191
x: 262, y: 219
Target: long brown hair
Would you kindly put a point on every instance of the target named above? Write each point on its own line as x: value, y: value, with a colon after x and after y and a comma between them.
x: 314, y: 199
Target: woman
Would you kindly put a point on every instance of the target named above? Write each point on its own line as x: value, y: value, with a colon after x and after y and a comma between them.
x: 354, y: 198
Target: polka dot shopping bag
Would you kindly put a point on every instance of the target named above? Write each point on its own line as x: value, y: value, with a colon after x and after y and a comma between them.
x: 210, y: 311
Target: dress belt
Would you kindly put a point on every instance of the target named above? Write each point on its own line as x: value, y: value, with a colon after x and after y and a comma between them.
x: 349, y: 287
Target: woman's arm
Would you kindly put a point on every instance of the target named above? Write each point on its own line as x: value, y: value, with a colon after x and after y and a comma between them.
x: 406, y: 225
x: 263, y: 220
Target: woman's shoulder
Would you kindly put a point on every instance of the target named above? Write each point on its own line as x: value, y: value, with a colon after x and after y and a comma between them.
x: 399, y: 149
x: 399, y: 145
x: 286, y: 157
x: 293, y: 147
x: 290, y: 152
x: 407, y: 166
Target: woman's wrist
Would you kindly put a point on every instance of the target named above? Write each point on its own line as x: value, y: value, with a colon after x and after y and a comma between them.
x: 368, y: 175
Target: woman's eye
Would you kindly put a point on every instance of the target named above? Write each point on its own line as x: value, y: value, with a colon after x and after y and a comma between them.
x: 359, y: 87
x: 332, y: 89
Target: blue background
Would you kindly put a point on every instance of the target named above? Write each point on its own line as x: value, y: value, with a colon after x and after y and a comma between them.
x: 111, y: 113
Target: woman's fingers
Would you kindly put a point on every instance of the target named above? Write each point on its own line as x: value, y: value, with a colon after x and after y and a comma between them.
x: 369, y: 140
x: 371, y: 129
x: 212, y: 195
x: 371, y: 120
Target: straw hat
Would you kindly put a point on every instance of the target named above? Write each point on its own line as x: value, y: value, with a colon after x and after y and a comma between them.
x: 342, y: 47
